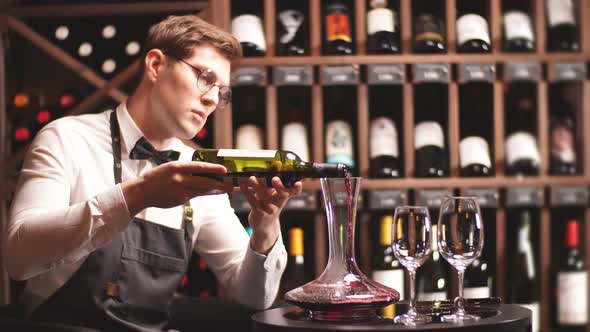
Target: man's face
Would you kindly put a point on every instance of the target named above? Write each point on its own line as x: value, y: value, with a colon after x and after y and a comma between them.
x: 183, y: 108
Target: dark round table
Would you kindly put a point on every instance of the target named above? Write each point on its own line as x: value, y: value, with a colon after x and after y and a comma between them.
x: 497, y: 318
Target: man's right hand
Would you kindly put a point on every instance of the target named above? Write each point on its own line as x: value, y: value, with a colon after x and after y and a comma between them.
x: 172, y: 184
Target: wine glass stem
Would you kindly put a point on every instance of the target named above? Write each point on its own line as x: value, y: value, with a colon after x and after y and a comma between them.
x: 460, y: 308
x: 412, y: 309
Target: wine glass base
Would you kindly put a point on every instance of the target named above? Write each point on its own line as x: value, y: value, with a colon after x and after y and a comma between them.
x: 459, y: 318
x: 412, y: 319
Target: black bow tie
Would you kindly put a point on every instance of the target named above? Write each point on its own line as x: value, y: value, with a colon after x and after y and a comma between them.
x: 144, y: 150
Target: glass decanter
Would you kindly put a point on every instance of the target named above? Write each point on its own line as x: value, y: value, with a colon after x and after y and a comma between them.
x: 342, y: 292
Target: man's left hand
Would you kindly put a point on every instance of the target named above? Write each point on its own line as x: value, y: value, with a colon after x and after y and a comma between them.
x: 267, y: 204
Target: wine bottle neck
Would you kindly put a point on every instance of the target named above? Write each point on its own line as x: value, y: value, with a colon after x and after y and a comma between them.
x: 327, y: 170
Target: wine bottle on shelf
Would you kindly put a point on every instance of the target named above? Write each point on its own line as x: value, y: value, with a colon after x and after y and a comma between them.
x: 384, y: 151
x: 562, y: 28
x: 247, y: 27
x: 523, y: 282
x: 249, y: 137
x: 522, y: 152
x: 292, y: 116
x: 432, y: 278
x: 572, y: 283
x: 383, y: 35
x: 562, y: 136
x: 295, y: 274
x: 431, y: 158
x: 249, y: 119
x: 473, y: 34
x: 68, y: 99
x: 478, y: 280
x: 338, y: 29
x: 386, y: 268
x: 428, y: 35
x: 292, y: 30
x: 266, y: 164
x: 518, y: 29
x: 339, y: 106
x: 475, y: 106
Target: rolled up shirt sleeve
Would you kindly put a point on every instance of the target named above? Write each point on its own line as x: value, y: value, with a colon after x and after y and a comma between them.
x: 253, y: 279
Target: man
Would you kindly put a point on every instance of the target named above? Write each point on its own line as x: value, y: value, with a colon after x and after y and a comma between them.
x: 102, y: 226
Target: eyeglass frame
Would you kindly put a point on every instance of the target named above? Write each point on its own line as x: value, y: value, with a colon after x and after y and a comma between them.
x: 201, y: 72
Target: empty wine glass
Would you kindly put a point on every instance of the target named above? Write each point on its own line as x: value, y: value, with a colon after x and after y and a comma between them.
x: 460, y: 242
x: 411, y: 245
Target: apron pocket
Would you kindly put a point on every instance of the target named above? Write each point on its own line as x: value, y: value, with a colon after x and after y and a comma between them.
x: 154, y: 259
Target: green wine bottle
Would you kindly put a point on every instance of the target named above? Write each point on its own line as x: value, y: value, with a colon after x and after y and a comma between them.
x: 266, y: 164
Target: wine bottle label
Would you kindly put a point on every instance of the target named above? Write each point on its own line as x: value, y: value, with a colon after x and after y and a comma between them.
x: 380, y: 19
x: 428, y: 133
x: 572, y: 302
x: 248, y: 29
x: 249, y: 137
x: 237, y: 153
x: 383, y: 138
x: 560, y: 12
x: 476, y: 292
x: 474, y: 150
x: 562, y: 143
x: 338, y: 27
x: 431, y: 296
x: 522, y: 146
x: 428, y: 27
x: 291, y: 20
x: 391, y: 278
x: 470, y: 27
x: 517, y: 25
x: 339, y: 143
x: 294, y: 139
x: 535, y: 308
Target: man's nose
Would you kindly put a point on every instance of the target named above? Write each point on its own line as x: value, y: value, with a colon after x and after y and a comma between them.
x: 211, y: 97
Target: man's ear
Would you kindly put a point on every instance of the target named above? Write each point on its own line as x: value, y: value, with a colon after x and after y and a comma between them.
x: 155, y: 60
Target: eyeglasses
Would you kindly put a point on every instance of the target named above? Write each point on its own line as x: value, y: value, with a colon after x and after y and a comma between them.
x: 206, y: 80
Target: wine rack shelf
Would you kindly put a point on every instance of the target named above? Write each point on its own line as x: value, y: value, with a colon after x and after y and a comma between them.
x: 545, y: 190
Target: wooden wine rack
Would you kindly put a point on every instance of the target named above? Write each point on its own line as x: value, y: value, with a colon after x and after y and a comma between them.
x: 218, y: 12
x: 544, y: 183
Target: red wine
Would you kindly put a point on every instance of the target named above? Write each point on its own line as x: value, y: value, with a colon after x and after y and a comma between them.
x: 562, y: 136
x: 522, y: 152
x: 431, y: 159
x: 517, y: 27
x: 338, y: 29
x: 522, y: 277
x: 572, y: 283
x: 382, y: 29
x: 473, y: 34
x: 292, y: 29
x: 475, y: 106
x: 428, y: 34
x: 562, y: 29
x: 247, y: 27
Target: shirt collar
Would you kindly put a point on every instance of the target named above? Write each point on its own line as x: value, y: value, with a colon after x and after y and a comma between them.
x: 130, y: 134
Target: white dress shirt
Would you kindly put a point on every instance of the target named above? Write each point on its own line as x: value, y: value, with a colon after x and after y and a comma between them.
x: 67, y: 205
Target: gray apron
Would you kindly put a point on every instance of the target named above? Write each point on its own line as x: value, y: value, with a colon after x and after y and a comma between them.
x: 129, y: 284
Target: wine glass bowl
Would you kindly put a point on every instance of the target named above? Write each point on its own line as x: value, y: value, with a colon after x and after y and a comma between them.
x: 411, y: 246
x: 460, y: 242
